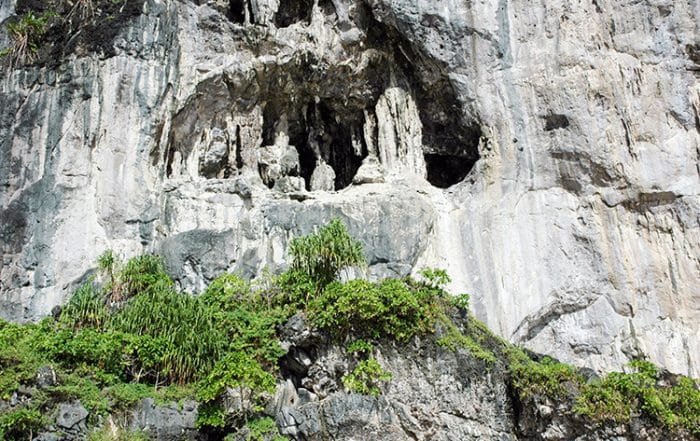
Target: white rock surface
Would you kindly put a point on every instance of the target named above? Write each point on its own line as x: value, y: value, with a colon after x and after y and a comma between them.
x: 577, y: 230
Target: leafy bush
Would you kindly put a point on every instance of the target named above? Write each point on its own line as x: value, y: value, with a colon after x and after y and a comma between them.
x: 366, y: 378
x: 547, y: 377
x: 262, y: 429
x: 80, y: 386
x: 435, y: 277
x: 235, y: 370
x: 454, y: 339
x: 392, y: 308
x: 105, y: 350
x: 20, y: 355
x: 142, y: 274
x: 248, y: 319
x: 360, y: 347
x: 294, y: 289
x: 323, y: 255
x: 619, y: 395
x: 20, y: 424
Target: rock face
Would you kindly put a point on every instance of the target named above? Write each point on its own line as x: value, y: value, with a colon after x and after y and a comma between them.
x: 434, y: 393
x: 546, y: 155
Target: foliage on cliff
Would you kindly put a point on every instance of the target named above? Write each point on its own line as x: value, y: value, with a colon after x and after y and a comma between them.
x: 45, y: 31
x: 135, y: 335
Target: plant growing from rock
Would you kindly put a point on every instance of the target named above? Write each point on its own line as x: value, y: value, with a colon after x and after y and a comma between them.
x: 366, y: 378
x: 393, y: 308
x: 86, y: 308
x: 324, y: 254
x: 26, y: 35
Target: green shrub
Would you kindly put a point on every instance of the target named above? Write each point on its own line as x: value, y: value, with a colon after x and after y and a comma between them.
x: 86, y: 308
x: 324, y: 254
x: 21, y: 355
x: 247, y: 317
x: 184, y: 340
x: 454, y: 339
x: 366, y: 378
x: 262, y: 429
x: 435, y: 277
x: 210, y: 414
x: 683, y: 403
x: 81, y: 386
x: 106, y: 350
x: 547, y: 377
x: 619, y: 396
x: 21, y: 423
x: 360, y: 347
x: 235, y: 370
x: 294, y: 289
x: 142, y: 274
x: 391, y: 308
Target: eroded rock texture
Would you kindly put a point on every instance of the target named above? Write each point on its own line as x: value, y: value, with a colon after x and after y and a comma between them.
x: 545, y: 154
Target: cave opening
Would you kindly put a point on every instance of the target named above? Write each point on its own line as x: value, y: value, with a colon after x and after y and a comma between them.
x: 450, y: 137
x: 446, y: 170
x: 450, y: 152
x: 293, y: 11
x: 327, y: 7
x: 341, y: 142
x: 318, y: 132
x: 236, y: 11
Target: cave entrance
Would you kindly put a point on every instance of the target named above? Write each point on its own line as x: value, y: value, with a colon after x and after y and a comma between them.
x: 237, y: 11
x: 319, y: 132
x: 444, y: 171
x: 293, y: 11
x: 449, y: 152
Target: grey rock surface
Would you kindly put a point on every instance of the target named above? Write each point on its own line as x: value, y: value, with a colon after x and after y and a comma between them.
x: 71, y: 415
x: 433, y: 394
x: 545, y: 154
x: 166, y: 423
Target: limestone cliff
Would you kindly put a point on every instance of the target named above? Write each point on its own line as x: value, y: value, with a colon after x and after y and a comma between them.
x: 544, y: 153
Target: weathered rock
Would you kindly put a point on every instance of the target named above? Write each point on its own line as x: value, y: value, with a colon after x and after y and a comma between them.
x: 433, y: 394
x: 166, y: 423
x: 370, y: 172
x: 544, y: 154
x: 71, y: 415
x: 323, y: 177
x: 45, y: 376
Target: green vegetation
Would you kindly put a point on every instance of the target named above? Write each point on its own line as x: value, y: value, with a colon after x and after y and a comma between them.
x: 26, y: 35
x: 366, y: 378
x: 454, y: 339
x: 19, y: 423
x: 52, y: 29
x: 547, y: 377
x: 393, y: 308
x: 261, y: 429
x: 619, y: 396
x: 324, y: 254
x: 117, y: 434
x: 135, y: 336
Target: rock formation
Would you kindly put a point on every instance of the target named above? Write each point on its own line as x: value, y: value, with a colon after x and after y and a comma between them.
x: 546, y: 154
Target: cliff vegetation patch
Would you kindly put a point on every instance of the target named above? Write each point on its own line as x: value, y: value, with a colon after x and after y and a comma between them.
x: 130, y: 334
x: 44, y: 32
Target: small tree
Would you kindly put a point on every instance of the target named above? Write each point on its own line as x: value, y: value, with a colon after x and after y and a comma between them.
x: 324, y: 254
